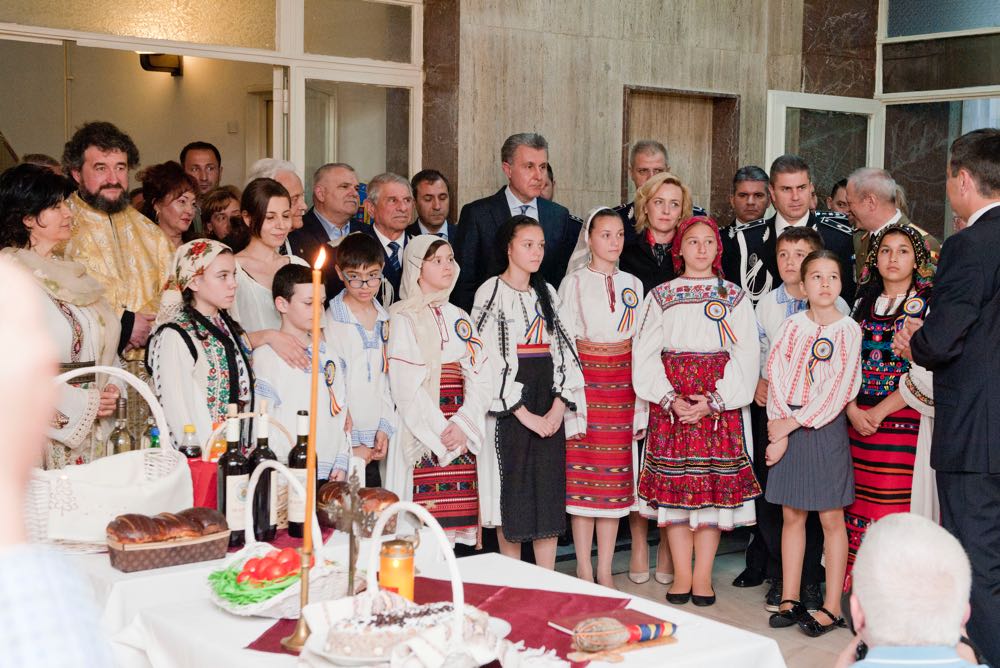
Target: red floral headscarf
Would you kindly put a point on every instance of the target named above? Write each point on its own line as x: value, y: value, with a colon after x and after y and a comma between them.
x: 685, y: 225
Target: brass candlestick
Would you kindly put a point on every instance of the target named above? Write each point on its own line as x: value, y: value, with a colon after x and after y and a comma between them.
x: 296, y: 641
x: 352, y: 518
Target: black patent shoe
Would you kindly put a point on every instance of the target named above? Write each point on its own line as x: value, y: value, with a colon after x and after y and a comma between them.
x: 785, y: 618
x: 678, y: 599
x: 812, y: 627
x: 703, y: 601
x: 750, y: 577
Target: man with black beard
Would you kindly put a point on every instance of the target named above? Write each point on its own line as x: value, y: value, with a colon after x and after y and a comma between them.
x: 125, y: 251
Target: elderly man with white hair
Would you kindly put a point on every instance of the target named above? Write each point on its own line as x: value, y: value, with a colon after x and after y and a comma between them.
x: 871, y: 196
x: 390, y: 207
x: 911, y: 596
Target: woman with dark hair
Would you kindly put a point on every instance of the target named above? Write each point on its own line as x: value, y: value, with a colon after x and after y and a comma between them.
x: 439, y: 375
x: 267, y: 211
x: 34, y: 222
x: 169, y: 195
x: 537, y: 376
x: 884, y: 428
x: 696, y: 360
x: 199, y: 357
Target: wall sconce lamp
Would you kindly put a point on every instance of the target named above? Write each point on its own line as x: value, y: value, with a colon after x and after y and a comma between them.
x: 162, y: 62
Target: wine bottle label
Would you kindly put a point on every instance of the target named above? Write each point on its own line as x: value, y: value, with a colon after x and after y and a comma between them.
x: 296, y: 503
x: 236, y: 501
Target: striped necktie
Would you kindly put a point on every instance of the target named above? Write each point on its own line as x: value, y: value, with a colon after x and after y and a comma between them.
x: 394, y: 257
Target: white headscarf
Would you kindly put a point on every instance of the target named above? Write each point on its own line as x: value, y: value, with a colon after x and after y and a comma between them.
x: 415, y: 304
x: 581, y: 253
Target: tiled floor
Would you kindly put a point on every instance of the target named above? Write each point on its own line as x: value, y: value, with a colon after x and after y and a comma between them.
x: 743, y: 608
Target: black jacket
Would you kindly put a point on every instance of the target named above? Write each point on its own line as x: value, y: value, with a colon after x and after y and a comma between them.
x: 414, y: 231
x: 306, y: 242
x: 637, y: 259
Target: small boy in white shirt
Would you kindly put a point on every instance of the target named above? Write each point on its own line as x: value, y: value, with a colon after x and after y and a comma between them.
x: 288, y: 389
x: 357, y: 329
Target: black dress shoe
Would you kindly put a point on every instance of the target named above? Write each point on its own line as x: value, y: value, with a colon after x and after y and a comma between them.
x: 773, y: 598
x: 749, y: 578
x: 678, y: 599
x: 785, y: 618
x: 812, y: 627
x: 703, y: 601
x: 811, y: 597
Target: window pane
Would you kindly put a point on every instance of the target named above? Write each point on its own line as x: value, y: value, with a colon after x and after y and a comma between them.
x: 941, y: 64
x: 833, y: 143
x: 247, y: 23
x: 358, y: 29
x: 367, y: 127
x: 922, y: 17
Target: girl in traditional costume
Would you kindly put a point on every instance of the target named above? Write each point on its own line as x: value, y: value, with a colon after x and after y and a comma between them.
x: 440, y: 379
x: 537, y: 376
x: 813, y: 372
x: 199, y: 356
x: 599, y: 303
x: 34, y: 220
x: 886, y: 415
x: 696, y: 360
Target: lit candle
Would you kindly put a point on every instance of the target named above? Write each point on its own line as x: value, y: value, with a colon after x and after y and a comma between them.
x: 395, y: 571
x: 317, y: 282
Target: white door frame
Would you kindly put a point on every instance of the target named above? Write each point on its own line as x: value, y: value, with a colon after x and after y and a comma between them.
x: 778, y: 101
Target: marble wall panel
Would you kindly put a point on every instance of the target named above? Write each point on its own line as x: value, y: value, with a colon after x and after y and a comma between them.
x: 916, y: 154
x: 442, y: 57
x: 838, y: 47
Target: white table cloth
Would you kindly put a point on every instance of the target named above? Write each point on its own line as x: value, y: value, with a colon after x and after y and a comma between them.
x: 178, y: 633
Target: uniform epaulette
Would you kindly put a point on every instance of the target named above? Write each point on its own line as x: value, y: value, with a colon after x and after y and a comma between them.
x: 743, y: 227
x: 698, y: 211
x: 576, y: 219
x: 837, y: 221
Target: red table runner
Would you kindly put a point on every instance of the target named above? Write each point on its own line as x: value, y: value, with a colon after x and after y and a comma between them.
x: 527, y: 610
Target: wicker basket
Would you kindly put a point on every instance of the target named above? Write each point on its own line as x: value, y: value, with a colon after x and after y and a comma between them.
x: 326, y: 580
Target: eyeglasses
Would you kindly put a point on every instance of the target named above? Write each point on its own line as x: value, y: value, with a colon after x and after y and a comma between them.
x: 356, y: 282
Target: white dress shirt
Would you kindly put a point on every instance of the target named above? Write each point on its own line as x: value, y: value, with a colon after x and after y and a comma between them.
x: 780, y: 223
x: 443, y: 231
x: 517, y: 206
x: 979, y: 214
x: 385, y: 241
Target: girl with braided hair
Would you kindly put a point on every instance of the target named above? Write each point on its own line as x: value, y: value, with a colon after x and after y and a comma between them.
x: 537, y: 376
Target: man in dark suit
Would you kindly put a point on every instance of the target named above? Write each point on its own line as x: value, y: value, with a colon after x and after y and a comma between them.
x: 432, y: 199
x: 958, y: 342
x: 750, y: 197
x: 390, y: 207
x: 647, y: 158
x: 335, y: 201
x: 523, y: 158
x: 749, y: 253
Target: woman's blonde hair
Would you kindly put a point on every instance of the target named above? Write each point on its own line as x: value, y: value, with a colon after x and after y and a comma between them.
x: 646, y: 192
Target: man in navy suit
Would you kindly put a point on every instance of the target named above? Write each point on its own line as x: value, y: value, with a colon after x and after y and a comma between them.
x: 335, y: 201
x: 523, y: 158
x: 390, y: 207
x: 958, y: 342
x: 432, y: 199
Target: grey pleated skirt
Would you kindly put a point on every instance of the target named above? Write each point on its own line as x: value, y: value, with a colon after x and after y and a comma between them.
x: 816, y: 472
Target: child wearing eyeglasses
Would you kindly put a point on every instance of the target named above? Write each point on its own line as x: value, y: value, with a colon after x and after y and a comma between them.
x: 357, y: 329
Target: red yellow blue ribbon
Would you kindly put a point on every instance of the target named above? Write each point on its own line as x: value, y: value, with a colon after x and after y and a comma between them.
x: 912, y: 308
x: 464, y: 330
x: 533, y: 335
x: 822, y: 350
x: 329, y: 373
x: 385, y: 344
x: 716, y: 312
x: 630, y: 299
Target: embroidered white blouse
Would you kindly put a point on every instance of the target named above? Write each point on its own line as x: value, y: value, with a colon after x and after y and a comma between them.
x: 676, y: 317
x: 772, y: 310
x: 601, y: 309
x: 815, y: 367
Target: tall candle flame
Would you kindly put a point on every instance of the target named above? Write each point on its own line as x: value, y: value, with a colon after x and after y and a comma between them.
x: 320, y: 259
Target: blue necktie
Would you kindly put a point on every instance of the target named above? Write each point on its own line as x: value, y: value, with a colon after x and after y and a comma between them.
x: 524, y: 209
x: 440, y: 234
x: 394, y: 257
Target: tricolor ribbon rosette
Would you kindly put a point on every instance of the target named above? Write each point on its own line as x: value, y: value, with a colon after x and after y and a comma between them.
x: 329, y: 373
x: 384, y: 331
x: 822, y: 350
x: 912, y: 308
x: 464, y: 330
x: 533, y: 335
x: 716, y: 312
x: 630, y: 299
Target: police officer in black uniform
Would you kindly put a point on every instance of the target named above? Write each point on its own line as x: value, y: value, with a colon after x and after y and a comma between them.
x: 647, y: 158
x: 749, y: 256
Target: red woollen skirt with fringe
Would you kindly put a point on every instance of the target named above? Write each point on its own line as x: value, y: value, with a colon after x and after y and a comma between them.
x: 599, y: 473
x: 702, y: 465
x: 450, y: 493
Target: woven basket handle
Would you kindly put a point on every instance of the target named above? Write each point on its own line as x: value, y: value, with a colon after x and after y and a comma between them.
x: 294, y: 486
x: 137, y: 383
x: 457, y: 590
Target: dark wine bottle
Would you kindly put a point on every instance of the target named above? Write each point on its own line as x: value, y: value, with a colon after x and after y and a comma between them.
x: 297, y: 463
x: 234, y: 474
x: 265, y: 496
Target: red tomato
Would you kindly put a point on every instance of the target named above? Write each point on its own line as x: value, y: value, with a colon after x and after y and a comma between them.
x: 242, y: 577
x: 263, y: 565
x: 251, y: 565
x: 288, y: 556
x: 273, y: 554
x: 275, y: 571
